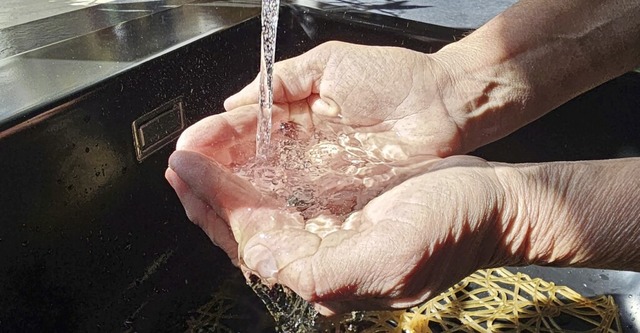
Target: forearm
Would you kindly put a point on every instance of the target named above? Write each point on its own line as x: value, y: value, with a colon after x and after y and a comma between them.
x: 534, y: 57
x: 574, y: 213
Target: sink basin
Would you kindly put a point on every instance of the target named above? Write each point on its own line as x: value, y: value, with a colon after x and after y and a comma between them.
x: 92, y: 236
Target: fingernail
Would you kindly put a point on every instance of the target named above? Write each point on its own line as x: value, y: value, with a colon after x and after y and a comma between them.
x: 334, y: 109
x: 323, y: 310
x: 169, y: 178
x: 259, y: 259
x: 227, y: 103
x: 326, y: 108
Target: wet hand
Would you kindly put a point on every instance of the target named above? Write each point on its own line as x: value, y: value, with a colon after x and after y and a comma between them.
x: 401, y: 248
x: 387, y: 94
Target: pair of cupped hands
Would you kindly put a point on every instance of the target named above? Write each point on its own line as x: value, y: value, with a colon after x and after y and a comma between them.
x: 432, y: 225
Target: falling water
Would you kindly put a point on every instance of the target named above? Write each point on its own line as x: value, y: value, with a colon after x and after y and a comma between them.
x: 291, y: 313
x: 267, y: 57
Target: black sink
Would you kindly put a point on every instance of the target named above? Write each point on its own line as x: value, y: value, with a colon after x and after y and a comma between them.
x: 91, y: 235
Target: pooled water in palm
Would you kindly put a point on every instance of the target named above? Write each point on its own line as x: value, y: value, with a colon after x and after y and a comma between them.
x: 267, y: 58
x: 323, y: 176
x: 317, y: 174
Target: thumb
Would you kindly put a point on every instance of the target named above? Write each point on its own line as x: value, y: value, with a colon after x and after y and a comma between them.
x: 232, y: 198
x: 268, y: 253
x: 324, y: 106
x: 294, y: 79
x: 311, y: 266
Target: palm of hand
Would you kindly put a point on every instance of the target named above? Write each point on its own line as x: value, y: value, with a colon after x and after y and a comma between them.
x: 396, y: 248
x: 390, y: 96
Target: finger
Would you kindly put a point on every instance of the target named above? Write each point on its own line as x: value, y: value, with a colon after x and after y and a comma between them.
x: 266, y: 261
x: 227, y: 137
x: 294, y: 79
x: 345, y: 270
x: 246, y: 96
x: 234, y: 199
x: 203, y: 216
x: 225, y: 192
x: 248, y: 212
x: 330, y: 309
x: 368, y: 303
x: 459, y: 161
x: 323, y: 106
x: 327, y: 311
x: 220, y: 129
x: 312, y: 267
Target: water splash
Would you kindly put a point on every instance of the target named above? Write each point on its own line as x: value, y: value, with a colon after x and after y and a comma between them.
x: 317, y: 173
x: 325, y: 176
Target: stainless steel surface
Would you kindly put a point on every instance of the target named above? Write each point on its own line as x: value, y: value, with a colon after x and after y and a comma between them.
x: 78, y: 21
x: 18, y: 12
x: 449, y: 13
x: 46, y: 74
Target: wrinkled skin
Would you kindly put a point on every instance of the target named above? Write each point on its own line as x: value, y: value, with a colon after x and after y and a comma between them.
x: 403, y: 247
x: 390, y: 94
x: 424, y: 233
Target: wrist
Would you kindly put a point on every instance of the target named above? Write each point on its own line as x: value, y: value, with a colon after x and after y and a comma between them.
x: 516, y: 217
x: 525, y: 62
x: 482, y: 93
x: 572, y: 213
x: 538, y: 229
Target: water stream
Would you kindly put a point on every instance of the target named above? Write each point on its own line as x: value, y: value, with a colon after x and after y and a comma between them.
x: 290, y: 312
x: 267, y: 59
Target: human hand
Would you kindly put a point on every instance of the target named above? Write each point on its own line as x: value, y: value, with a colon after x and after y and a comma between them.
x: 401, y: 248
x: 391, y: 96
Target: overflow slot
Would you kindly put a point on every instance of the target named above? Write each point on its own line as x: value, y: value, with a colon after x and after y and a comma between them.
x: 157, y: 128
